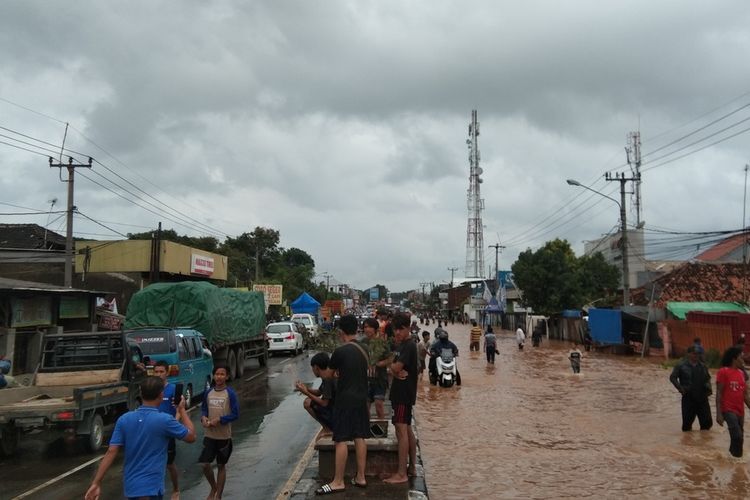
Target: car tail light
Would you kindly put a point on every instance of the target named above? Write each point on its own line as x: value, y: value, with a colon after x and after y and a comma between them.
x: 290, y: 336
x: 65, y: 415
x: 174, y: 370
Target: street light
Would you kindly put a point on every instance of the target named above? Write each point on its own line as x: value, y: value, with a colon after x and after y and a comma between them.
x: 624, y: 241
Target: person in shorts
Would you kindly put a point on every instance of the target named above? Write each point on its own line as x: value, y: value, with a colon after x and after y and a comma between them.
x: 403, y: 397
x: 351, y: 420
x: 319, y: 402
x: 422, y: 349
x: 377, y: 372
x: 219, y: 409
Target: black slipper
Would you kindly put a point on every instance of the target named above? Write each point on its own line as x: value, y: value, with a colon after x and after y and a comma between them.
x: 358, y: 485
x: 327, y: 490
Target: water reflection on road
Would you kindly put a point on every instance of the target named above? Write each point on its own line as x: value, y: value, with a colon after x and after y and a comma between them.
x: 528, y: 427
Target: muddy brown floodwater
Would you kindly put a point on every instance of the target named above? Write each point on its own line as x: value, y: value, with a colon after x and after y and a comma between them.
x: 527, y: 427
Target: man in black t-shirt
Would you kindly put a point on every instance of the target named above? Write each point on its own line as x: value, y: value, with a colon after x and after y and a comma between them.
x: 405, y: 369
x: 351, y: 420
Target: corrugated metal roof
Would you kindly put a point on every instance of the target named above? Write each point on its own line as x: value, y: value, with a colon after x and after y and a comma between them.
x: 32, y: 286
x: 680, y: 309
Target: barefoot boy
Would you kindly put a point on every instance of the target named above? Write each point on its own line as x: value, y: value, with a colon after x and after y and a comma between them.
x: 218, y: 410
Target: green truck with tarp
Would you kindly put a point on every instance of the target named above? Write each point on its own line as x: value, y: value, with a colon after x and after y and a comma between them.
x: 232, y: 321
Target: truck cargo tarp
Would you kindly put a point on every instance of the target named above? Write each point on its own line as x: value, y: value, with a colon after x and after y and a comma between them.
x: 305, y: 304
x: 605, y: 326
x: 680, y: 309
x: 223, y: 315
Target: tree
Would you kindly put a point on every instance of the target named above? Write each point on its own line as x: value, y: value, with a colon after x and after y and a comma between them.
x: 251, y: 254
x: 553, y: 278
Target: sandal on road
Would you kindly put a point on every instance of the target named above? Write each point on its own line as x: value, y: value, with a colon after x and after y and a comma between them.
x: 327, y: 490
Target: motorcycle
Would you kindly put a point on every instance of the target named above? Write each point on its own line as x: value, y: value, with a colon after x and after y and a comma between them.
x: 446, y: 372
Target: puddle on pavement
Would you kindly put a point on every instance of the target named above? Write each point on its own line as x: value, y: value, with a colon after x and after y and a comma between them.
x: 528, y: 427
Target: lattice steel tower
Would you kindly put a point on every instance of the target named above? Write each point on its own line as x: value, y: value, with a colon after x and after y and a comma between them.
x: 475, y: 204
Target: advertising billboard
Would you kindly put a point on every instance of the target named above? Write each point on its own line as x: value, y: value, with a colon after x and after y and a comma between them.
x: 271, y: 293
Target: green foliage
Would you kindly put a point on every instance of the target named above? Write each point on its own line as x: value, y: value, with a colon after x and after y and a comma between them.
x: 553, y: 278
x: 712, y: 358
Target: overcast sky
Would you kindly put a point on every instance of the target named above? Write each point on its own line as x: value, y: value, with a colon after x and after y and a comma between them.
x: 343, y: 124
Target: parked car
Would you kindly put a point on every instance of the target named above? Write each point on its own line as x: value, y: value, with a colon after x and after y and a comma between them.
x: 186, y: 350
x: 309, y: 321
x: 285, y: 336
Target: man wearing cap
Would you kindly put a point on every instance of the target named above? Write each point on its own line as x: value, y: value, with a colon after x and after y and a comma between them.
x: 692, y: 379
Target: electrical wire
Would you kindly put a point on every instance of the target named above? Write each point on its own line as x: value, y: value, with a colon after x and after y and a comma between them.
x: 100, y: 224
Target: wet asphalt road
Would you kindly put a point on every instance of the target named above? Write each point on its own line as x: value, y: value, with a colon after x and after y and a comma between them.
x: 269, y: 438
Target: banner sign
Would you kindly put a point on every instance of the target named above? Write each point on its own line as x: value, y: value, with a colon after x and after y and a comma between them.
x: 200, y: 264
x: 35, y: 311
x: 271, y: 293
x: 374, y: 293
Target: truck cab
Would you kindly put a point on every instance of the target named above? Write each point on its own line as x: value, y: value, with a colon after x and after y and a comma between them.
x: 186, y: 352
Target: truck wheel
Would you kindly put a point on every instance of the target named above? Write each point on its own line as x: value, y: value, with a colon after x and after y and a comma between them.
x: 232, y: 364
x: 9, y: 437
x: 240, y: 361
x: 96, y: 434
x: 188, y: 395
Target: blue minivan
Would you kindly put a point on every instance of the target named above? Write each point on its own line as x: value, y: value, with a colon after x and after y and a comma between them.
x: 186, y: 350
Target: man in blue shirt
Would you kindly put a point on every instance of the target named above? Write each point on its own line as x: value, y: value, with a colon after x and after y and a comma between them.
x: 144, y: 433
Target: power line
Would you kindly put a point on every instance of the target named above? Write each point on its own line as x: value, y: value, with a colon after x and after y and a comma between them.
x: 100, y: 224
x: 34, y: 213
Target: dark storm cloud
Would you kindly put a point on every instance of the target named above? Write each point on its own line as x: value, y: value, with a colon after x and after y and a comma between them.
x: 356, y: 112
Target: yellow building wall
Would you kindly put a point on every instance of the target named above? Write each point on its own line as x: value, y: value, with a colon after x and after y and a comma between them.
x: 134, y: 256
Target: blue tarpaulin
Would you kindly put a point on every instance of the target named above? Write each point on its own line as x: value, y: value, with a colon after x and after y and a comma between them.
x: 305, y: 304
x: 606, y: 325
x: 571, y: 313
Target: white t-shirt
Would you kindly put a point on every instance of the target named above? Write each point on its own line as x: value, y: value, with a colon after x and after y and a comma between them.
x: 520, y: 337
x: 575, y: 356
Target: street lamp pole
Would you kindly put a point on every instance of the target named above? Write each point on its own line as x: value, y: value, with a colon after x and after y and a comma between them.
x: 623, y: 231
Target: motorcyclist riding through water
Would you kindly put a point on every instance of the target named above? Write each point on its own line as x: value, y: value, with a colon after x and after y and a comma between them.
x: 436, y: 349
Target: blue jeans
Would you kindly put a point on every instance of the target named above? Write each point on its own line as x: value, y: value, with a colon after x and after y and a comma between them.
x: 735, y: 426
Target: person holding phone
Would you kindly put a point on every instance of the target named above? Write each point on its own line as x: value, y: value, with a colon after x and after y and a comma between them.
x: 144, y: 433
x: 169, y: 403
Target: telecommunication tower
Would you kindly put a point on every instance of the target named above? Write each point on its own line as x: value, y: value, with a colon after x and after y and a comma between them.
x: 475, y: 205
x: 633, y: 152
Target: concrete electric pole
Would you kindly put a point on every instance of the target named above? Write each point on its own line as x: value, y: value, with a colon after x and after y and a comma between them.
x: 452, y: 270
x: 71, y: 208
x: 624, y: 235
x: 497, y: 247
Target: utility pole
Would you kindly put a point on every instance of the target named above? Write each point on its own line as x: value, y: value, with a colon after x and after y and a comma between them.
x: 624, y: 235
x: 71, y: 208
x: 423, y: 284
x: 328, y: 281
x: 745, y: 240
x: 497, y: 247
x: 452, y: 270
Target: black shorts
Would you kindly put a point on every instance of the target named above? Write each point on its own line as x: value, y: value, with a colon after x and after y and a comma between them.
x: 401, y: 413
x: 324, y: 414
x: 171, y: 451
x: 350, y: 423
x: 215, y: 449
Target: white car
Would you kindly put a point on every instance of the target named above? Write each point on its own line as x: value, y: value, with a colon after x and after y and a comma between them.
x: 309, y: 321
x: 284, y: 336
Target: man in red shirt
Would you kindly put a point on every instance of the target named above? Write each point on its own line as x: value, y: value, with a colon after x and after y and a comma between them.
x: 731, y: 396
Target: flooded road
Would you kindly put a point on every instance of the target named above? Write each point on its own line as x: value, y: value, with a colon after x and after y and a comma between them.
x: 527, y: 427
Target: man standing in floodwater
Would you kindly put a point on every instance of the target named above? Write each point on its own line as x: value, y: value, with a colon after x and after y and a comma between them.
x: 692, y: 379
x: 731, y: 393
